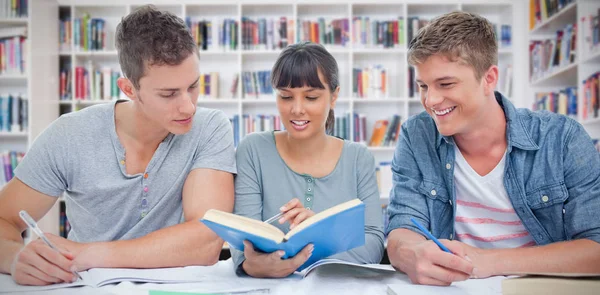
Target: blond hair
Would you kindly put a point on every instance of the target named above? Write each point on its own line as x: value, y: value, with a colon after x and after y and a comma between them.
x: 462, y: 36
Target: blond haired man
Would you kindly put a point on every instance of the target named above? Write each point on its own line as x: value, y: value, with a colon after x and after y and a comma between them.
x: 506, y: 190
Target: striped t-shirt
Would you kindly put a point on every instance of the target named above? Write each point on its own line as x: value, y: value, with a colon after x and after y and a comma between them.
x: 485, y: 218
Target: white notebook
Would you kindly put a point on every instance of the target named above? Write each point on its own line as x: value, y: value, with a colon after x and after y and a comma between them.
x: 98, y: 277
x: 489, y: 286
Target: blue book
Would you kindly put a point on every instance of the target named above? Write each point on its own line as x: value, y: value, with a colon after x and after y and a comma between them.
x: 335, y: 230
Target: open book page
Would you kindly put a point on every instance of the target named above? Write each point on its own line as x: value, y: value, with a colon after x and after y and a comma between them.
x: 98, y: 277
x: 322, y: 215
x: 245, y: 224
x: 345, y: 265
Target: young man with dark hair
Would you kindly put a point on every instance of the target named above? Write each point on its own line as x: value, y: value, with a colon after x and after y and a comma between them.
x: 136, y: 175
x: 507, y: 190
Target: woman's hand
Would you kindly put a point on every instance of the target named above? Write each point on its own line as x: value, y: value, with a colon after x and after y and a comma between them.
x: 295, y: 213
x: 270, y: 265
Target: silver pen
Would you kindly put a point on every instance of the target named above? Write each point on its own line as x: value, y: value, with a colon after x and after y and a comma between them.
x: 270, y: 220
x: 36, y: 229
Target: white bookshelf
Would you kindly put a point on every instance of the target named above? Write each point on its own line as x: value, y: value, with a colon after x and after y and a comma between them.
x: 571, y: 75
x: 232, y: 62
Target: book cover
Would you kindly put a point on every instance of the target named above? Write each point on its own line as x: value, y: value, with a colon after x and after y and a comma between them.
x: 335, y: 230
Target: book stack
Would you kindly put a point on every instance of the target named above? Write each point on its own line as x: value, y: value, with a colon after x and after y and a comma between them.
x: 8, y: 163
x: 14, y: 115
x: 541, y: 10
x: 13, y: 50
x: 590, y: 26
x: 93, y: 83
x: 370, y: 82
x: 214, y: 34
x: 414, y: 24
x: 563, y: 102
x: 235, y: 125
x: 551, y: 54
x: 377, y: 33
x: 324, y: 31
x: 89, y: 33
x: 591, y: 97
x: 13, y: 8
x: 209, y: 85
x: 258, y: 123
x: 257, y: 84
x: 267, y: 33
x: 386, y: 132
x: 341, y: 126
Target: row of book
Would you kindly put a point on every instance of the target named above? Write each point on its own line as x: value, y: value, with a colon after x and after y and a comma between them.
x: 256, y: 84
x: 267, y: 33
x: 14, y: 115
x: 87, y: 33
x: 91, y: 83
x: 214, y: 34
x: 541, y: 10
x: 373, y: 33
x: 13, y: 8
x: 590, y: 26
x: 63, y: 222
x: 8, y: 163
x: 591, y: 97
x: 548, y: 55
x: 209, y: 85
x: 370, y: 82
x: 324, y: 31
x: 563, y: 102
x: 12, y: 55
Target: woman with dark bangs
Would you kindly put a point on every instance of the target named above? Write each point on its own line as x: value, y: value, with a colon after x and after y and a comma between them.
x: 303, y: 170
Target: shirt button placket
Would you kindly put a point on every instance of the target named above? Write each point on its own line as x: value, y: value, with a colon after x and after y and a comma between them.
x: 309, y: 193
x: 145, y: 195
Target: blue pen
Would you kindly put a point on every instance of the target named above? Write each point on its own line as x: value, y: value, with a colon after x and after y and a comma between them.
x: 430, y: 236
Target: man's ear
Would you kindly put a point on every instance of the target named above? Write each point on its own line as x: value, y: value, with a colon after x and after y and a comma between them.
x: 490, y: 80
x: 127, y: 87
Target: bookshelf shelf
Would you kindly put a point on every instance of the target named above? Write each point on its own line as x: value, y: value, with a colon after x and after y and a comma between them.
x: 13, y: 21
x: 379, y: 100
x: 4, y: 134
x: 96, y: 53
x: 576, y: 18
x: 591, y: 121
x: 558, y: 20
x: 563, y: 75
x: 381, y: 148
x: 593, y: 57
x: 213, y: 101
x: 251, y: 101
x: 216, y: 52
x: 379, y: 50
x: 7, y: 77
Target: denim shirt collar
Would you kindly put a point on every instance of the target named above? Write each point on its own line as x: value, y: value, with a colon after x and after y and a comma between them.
x: 516, y: 133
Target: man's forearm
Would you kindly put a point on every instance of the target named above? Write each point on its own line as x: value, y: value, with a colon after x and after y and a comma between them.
x: 189, y: 243
x: 10, y: 244
x: 578, y: 256
x: 400, y: 237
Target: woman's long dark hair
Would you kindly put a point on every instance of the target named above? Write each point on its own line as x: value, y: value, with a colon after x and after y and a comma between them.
x: 298, y: 66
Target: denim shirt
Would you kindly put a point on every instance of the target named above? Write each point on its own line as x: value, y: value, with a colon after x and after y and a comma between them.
x: 552, y: 176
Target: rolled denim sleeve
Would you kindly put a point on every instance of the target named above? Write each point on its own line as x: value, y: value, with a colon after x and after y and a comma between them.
x: 582, y: 178
x: 405, y: 199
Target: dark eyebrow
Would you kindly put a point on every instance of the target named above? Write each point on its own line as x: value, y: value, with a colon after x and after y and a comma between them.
x: 438, y: 79
x: 176, y: 89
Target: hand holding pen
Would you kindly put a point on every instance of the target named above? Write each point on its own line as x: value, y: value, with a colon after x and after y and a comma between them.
x: 40, y: 262
x: 294, y: 212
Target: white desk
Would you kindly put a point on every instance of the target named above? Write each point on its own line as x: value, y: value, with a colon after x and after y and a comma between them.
x: 324, y: 280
